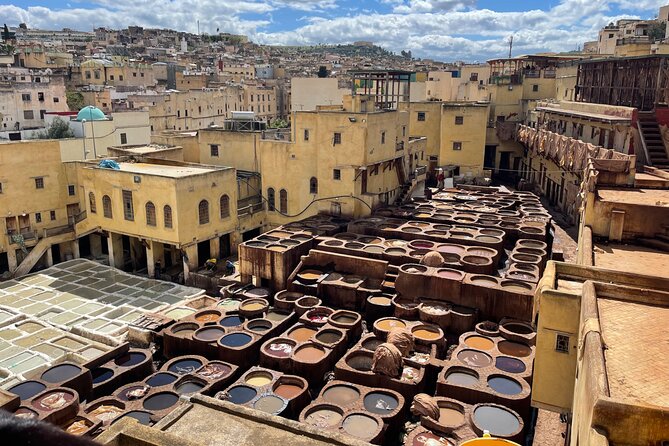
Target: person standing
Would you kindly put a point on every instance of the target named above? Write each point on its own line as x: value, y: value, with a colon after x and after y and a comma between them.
x: 440, y: 179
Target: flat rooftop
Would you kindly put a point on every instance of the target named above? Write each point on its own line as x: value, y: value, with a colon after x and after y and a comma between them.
x: 637, y: 365
x: 632, y: 258
x: 586, y: 115
x: 146, y: 150
x: 166, y: 170
x: 643, y: 197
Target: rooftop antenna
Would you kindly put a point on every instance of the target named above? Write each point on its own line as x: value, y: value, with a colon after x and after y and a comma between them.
x: 198, y: 27
x: 510, y: 45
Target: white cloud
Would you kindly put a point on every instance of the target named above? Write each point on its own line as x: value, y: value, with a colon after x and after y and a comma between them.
x: 441, y: 29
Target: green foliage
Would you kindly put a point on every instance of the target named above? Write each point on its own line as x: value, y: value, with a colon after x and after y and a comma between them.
x: 57, y: 130
x: 656, y: 31
x: 279, y: 124
x: 75, y: 100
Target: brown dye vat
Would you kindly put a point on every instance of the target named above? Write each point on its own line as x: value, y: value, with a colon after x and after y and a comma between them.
x: 277, y: 248
x: 360, y: 360
x: 209, y: 334
x: 487, y: 328
x: 285, y: 300
x: 318, y: 316
x: 373, y: 249
x: 395, y: 251
x: 328, y: 336
x: 207, y: 316
x: 333, y: 243
x: 426, y: 333
x: 354, y: 245
x: 258, y: 325
x: 185, y: 329
x: 532, y: 244
x: 451, y: 417
x: 405, y: 308
x: 309, y: 353
x: 451, y: 249
x: 305, y: 303
x: 346, y: 236
x: 514, y: 349
x: 361, y: 426
x: 517, y: 286
x: 341, y: 395
x: 412, y: 268
x: 324, y: 416
x: 382, y: 326
x: 302, y: 334
x: 421, y: 244
x: 380, y: 300
x: 479, y: 343
x: 288, y: 391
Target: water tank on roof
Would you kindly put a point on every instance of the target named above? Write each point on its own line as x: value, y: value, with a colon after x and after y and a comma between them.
x: 243, y: 115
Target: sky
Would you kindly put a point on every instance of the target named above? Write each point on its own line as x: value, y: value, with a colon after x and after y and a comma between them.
x: 445, y: 30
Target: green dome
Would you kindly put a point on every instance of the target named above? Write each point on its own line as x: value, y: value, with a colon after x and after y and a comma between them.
x: 90, y: 113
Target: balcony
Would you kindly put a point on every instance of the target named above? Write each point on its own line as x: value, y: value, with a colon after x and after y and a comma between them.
x: 249, y: 206
x: 399, y: 145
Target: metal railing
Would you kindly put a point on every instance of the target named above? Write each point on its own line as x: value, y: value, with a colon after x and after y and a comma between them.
x: 276, y: 135
x: 50, y: 232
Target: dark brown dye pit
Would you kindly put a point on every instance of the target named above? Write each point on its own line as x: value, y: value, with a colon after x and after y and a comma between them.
x: 160, y: 401
x: 214, y: 370
x: 142, y: 417
x: 514, y: 349
x: 341, y: 395
x: 60, y: 373
x: 328, y: 336
x: 209, y: 334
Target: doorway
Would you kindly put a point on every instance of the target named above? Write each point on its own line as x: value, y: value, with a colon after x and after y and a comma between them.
x: 202, y: 252
x: 248, y: 235
x: 489, y: 157
x: 224, y: 246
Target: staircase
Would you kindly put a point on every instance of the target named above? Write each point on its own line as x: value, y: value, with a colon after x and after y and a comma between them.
x: 651, y: 135
x: 38, y: 251
x: 403, y: 193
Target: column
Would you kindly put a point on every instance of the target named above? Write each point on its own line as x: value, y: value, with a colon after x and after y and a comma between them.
x: 191, y: 263
x: 75, y: 249
x: 214, y: 248
x: 115, y: 247
x: 154, y: 254
x: 96, y: 245
x: 11, y: 259
x: 49, y: 257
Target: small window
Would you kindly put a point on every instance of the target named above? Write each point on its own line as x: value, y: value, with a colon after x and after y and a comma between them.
x: 111, y: 77
x: 124, y: 138
x: 107, y: 206
x: 39, y: 183
x: 28, y: 114
x: 141, y: 74
x: 91, y: 202
x: 150, y: 214
x: 535, y: 87
x: 213, y: 148
x: 270, y: 199
x: 203, y: 212
x: 25, y: 96
x: 336, y: 139
x: 283, y: 201
x: 306, y: 134
x: 128, y: 209
x: 336, y: 174
x: 383, y: 137
x: 97, y: 75
x: 459, y: 120
x: 562, y: 343
x: 88, y: 75
x: 313, y: 185
x: 225, y: 206
x: 404, y: 130
x: 134, y: 74
x: 52, y: 215
x: 120, y: 77
x: 457, y: 145
x: 421, y: 116
x: 501, y: 118
x: 56, y: 100
x: 38, y: 217
x: 40, y: 96
x: 474, y: 77
x: 167, y: 216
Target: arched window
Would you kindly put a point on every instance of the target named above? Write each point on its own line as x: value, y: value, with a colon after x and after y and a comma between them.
x: 225, y: 206
x: 150, y: 214
x: 203, y: 212
x: 91, y: 202
x: 107, y: 206
x: 270, y: 198
x: 283, y: 201
x: 313, y: 185
x: 167, y: 216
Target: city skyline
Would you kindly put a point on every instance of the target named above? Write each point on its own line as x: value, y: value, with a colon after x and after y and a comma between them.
x: 475, y: 30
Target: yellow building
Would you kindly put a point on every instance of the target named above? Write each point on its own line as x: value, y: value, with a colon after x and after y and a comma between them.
x: 454, y: 132
x: 107, y: 72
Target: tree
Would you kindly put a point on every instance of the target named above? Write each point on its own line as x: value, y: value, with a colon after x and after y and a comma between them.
x: 323, y: 71
x: 657, y: 30
x: 75, y: 100
x: 57, y: 130
x: 278, y: 124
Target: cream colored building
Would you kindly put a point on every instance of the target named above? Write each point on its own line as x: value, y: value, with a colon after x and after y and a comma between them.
x: 26, y: 97
x: 309, y: 92
x: 108, y: 72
